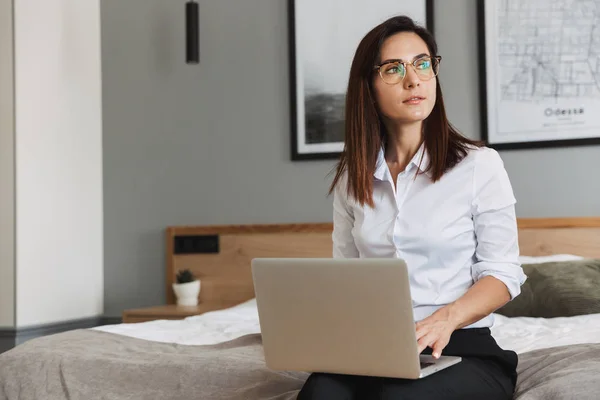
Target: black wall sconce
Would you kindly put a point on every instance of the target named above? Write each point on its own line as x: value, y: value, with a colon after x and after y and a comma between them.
x: 192, y: 33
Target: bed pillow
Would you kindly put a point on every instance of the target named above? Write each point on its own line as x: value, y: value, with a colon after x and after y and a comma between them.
x: 557, y: 289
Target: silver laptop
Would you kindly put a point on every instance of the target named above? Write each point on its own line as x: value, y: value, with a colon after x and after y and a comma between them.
x: 344, y: 316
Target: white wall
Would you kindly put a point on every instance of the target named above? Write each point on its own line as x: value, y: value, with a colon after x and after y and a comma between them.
x: 58, y: 161
x: 7, y: 186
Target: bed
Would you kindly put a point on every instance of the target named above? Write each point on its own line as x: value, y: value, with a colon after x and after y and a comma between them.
x: 218, y: 355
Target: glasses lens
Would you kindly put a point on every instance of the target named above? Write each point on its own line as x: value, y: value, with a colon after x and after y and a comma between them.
x: 393, y: 72
x: 426, y: 67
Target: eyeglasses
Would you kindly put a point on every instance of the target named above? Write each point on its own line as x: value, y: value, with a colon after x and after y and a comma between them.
x: 394, y: 71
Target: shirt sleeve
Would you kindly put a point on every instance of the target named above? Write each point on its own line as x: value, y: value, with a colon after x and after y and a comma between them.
x: 343, y: 222
x: 495, y: 222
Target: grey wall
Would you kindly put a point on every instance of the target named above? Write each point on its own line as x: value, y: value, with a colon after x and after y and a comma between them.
x: 209, y: 144
x: 206, y: 144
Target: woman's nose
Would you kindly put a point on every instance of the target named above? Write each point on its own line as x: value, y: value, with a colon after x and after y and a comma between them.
x: 411, y: 80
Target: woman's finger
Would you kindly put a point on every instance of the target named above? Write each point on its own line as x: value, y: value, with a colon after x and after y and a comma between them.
x: 438, y: 347
x: 427, y: 340
x: 422, y: 331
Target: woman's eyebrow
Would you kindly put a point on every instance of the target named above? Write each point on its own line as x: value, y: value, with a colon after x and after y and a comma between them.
x: 401, y: 60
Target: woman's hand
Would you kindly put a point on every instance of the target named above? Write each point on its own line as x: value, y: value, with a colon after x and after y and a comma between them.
x: 435, y: 330
x: 485, y: 296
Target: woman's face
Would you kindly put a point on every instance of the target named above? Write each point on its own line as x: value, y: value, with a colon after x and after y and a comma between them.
x: 412, y: 98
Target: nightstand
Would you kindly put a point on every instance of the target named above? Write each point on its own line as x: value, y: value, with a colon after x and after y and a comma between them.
x: 170, y: 311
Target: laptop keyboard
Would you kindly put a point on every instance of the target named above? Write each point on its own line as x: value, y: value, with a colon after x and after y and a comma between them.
x: 426, y: 364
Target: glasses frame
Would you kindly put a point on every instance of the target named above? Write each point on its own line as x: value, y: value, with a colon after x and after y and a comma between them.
x: 435, y: 59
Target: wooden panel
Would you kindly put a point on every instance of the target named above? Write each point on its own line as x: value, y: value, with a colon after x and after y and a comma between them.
x: 226, y: 276
x: 252, y: 229
x: 545, y: 223
x: 543, y: 242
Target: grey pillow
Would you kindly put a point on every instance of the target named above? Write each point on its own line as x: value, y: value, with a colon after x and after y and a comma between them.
x: 557, y: 289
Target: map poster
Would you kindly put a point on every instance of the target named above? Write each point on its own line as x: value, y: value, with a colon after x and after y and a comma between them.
x: 540, y: 72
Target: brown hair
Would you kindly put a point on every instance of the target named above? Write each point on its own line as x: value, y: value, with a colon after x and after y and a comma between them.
x: 364, y: 130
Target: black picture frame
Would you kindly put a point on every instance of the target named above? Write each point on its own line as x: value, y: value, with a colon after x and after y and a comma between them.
x: 296, y: 154
x: 487, y: 131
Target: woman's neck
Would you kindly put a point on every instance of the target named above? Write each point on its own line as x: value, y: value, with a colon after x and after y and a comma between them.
x: 403, y: 142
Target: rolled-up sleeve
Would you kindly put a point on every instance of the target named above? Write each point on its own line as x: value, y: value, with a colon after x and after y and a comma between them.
x: 495, y: 222
x: 343, y: 222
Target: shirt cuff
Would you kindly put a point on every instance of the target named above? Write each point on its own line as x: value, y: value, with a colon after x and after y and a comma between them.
x: 513, y: 281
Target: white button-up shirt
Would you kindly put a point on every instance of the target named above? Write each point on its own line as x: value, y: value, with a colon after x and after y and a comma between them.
x: 450, y: 233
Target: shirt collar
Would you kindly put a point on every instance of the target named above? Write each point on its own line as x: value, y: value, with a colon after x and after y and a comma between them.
x: 420, y: 160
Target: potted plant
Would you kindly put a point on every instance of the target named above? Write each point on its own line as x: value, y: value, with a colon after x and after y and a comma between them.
x: 187, y: 288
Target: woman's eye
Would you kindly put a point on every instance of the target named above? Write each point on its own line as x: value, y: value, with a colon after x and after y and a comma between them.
x: 424, y: 64
x: 393, y: 70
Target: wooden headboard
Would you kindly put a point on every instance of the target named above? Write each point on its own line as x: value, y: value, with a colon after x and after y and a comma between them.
x: 220, y: 255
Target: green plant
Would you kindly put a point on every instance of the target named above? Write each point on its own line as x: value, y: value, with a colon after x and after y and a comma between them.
x: 185, y: 276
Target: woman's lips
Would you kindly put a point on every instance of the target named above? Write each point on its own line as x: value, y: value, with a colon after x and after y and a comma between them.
x: 414, y: 100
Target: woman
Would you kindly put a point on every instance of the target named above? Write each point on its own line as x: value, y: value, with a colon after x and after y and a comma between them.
x: 409, y: 186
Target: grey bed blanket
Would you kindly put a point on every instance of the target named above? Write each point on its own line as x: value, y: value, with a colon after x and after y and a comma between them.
x: 88, y: 364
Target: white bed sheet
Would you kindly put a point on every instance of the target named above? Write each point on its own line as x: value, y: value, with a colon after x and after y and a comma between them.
x: 209, y: 328
x: 518, y: 334
x: 552, y: 258
x: 523, y: 334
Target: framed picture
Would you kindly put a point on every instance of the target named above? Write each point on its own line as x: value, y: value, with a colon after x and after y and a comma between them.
x: 323, y: 36
x: 540, y: 72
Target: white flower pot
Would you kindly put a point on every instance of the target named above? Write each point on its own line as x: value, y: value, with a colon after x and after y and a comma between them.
x: 187, y: 293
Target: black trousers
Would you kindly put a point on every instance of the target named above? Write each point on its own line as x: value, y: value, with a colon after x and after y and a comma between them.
x: 485, y: 372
